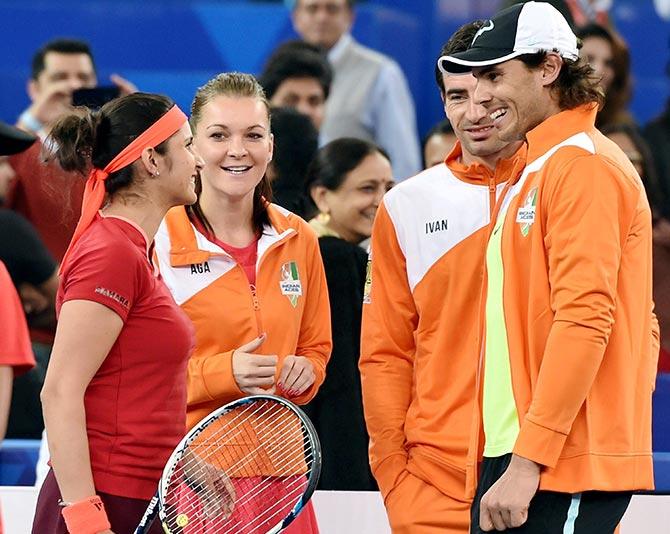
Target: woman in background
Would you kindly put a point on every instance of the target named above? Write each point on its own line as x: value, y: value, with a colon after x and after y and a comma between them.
x: 295, y: 144
x: 635, y: 147
x: 608, y: 54
x: 346, y: 182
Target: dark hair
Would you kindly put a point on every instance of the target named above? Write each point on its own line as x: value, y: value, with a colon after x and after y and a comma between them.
x: 649, y: 176
x: 296, y: 59
x: 576, y: 83
x: 335, y: 160
x: 460, y: 41
x: 235, y: 85
x: 61, y: 46
x: 93, y: 138
x: 350, y: 3
x: 619, y: 93
x: 296, y: 142
x: 441, y: 128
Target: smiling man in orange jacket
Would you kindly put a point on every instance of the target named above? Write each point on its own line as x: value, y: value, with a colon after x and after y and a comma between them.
x: 419, y: 337
x: 571, y: 341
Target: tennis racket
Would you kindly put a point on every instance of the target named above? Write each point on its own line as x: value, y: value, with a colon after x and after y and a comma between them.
x: 247, y: 468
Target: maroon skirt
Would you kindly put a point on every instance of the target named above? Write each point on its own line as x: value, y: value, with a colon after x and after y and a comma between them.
x: 124, y: 513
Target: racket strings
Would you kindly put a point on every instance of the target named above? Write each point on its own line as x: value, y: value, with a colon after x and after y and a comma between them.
x: 281, y: 460
x: 293, y: 488
x: 297, y: 479
x: 214, y: 445
x: 296, y: 487
x: 212, y: 442
x: 275, y: 509
x: 279, y: 454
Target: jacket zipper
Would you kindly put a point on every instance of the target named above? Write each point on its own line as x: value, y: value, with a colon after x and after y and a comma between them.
x: 253, y: 289
x: 492, y: 197
x: 257, y: 308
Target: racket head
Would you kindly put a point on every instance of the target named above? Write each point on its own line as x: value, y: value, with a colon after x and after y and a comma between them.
x: 249, y: 467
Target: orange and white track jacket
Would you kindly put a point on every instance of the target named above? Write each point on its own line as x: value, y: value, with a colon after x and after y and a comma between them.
x: 583, y: 340
x: 289, y: 302
x: 420, y: 337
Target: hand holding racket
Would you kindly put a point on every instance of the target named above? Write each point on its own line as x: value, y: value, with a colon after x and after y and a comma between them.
x: 247, y: 468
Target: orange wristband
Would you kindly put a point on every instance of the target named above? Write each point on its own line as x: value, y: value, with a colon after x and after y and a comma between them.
x: 87, y: 516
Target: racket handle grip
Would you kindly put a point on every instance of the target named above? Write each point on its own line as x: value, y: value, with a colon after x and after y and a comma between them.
x: 149, y: 516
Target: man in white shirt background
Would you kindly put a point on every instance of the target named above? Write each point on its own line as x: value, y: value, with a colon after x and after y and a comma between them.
x: 370, y: 97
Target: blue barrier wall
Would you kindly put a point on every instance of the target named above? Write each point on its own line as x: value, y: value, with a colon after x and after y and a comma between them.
x: 172, y: 46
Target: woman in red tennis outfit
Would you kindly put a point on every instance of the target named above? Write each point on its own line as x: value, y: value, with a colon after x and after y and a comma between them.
x: 248, y: 273
x: 114, y: 398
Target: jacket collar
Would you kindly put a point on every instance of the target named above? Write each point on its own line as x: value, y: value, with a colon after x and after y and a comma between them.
x: 478, y: 173
x: 340, y: 47
x: 560, y: 127
x: 188, y: 246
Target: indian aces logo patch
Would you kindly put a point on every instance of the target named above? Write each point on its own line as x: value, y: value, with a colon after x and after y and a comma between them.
x: 526, y: 214
x: 289, y: 282
x: 367, y: 289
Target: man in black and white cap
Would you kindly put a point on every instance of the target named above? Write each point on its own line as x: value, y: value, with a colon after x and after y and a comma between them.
x: 571, y: 342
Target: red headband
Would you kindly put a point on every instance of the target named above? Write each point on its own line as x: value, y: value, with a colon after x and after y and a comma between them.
x: 94, y: 192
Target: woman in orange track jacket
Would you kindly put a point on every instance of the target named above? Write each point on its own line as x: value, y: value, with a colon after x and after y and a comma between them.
x: 248, y: 273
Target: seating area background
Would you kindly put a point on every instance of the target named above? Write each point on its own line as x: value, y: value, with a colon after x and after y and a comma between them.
x: 173, y: 46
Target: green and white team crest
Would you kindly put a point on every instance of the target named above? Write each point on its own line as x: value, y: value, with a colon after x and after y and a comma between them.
x: 367, y: 289
x: 526, y: 214
x: 289, y: 282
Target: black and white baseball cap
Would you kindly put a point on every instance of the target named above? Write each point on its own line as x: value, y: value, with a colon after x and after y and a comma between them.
x: 520, y: 29
x: 13, y: 140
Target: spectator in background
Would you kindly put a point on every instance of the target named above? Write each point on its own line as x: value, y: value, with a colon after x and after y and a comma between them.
x: 637, y: 150
x: 608, y: 55
x: 59, y: 68
x: 47, y: 196
x: 576, y: 12
x: 369, y: 98
x: 437, y: 144
x: 635, y: 147
x: 298, y: 75
x: 296, y: 142
x: 346, y: 182
x: 657, y: 134
x: 564, y: 7
x: 33, y: 273
x: 586, y: 11
x: 16, y: 356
